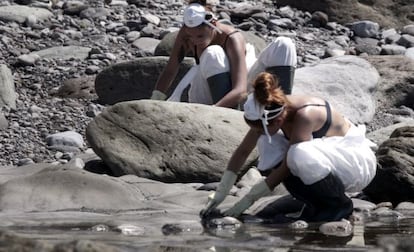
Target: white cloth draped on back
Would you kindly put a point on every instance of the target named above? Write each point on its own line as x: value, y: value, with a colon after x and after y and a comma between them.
x: 350, y: 157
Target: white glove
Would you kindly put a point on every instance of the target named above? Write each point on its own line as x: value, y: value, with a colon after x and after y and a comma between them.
x: 226, y: 183
x: 158, y: 95
x: 258, y: 190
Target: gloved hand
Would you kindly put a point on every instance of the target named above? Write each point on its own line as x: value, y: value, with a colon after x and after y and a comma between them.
x: 258, y: 190
x: 226, y: 183
x: 158, y: 95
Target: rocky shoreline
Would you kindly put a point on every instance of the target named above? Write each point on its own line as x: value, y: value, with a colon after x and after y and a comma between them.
x: 59, y: 141
x: 55, y: 93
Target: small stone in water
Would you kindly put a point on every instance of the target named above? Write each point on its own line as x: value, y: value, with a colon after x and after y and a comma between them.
x: 384, y: 212
x: 225, y: 222
x: 182, y: 227
x: 171, y: 229
x: 100, y: 228
x: 341, y: 228
x: 128, y: 229
x: 299, y: 224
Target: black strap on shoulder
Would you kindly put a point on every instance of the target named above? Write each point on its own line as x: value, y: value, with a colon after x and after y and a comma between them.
x: 227, y: 37
x: 322, y: 131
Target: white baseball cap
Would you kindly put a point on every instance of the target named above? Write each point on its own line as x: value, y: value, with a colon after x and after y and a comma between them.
x: 195, y: 14
x: 253, y: 111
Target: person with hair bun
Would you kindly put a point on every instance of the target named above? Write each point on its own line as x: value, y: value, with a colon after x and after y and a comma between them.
x: 223, y: 60
x: 312, y: 149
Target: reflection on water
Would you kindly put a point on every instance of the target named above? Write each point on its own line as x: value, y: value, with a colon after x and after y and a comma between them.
x: 369, y: 235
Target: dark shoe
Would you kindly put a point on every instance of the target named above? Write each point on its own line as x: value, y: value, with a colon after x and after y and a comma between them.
x: 329, y: 214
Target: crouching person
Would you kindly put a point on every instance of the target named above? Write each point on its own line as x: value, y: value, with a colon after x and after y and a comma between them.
x: 307, y: 145
x: 224, y: 61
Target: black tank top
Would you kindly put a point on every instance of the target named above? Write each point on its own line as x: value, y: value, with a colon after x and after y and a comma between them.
x: 325, y: 127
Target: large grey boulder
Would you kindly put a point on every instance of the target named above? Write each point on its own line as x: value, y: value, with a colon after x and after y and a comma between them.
x: 382, y: 134
x: 394, y: 181
x: 347, y: 82
x: 134, y: 80
x: 45, y: 187
x: 168, y: 141
x: 64, y: 52
x: 58, y: 187
x: 19, y: 13
x: 394, y: 95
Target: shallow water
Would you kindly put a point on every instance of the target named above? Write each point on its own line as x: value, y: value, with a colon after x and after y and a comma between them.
x: 371, y: 234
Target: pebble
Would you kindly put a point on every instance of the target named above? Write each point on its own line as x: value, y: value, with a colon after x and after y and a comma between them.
x: 385, y: 213
x: 100, y: 228
x: 299, y: 224
x: 194, y: 227
x: 225, y: 222
x: 131, y: 230
x: 341, y: 228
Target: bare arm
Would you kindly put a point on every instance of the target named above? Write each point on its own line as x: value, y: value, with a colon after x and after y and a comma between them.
x: 277, y: 175
x: 171, y: 69
x: 240, y: 155
x: 236, y: 52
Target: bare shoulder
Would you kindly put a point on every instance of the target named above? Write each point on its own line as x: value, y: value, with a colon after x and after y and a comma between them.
x: 299, y: 101
x: 230, y: 31
x: 304, y: 112
x: 182, y: 40
x: 181, y: 35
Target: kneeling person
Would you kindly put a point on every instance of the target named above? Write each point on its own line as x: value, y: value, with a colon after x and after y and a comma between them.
x: 307, y: 145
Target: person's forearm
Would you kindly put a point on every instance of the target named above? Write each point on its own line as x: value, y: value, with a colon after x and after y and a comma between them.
x: 242, y: 152
x: 236, y: 162
x: 277, y: 175
x: 165, y: 80
x: 230, y: 100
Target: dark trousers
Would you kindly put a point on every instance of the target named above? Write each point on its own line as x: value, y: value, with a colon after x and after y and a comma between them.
x: 325, y: 199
